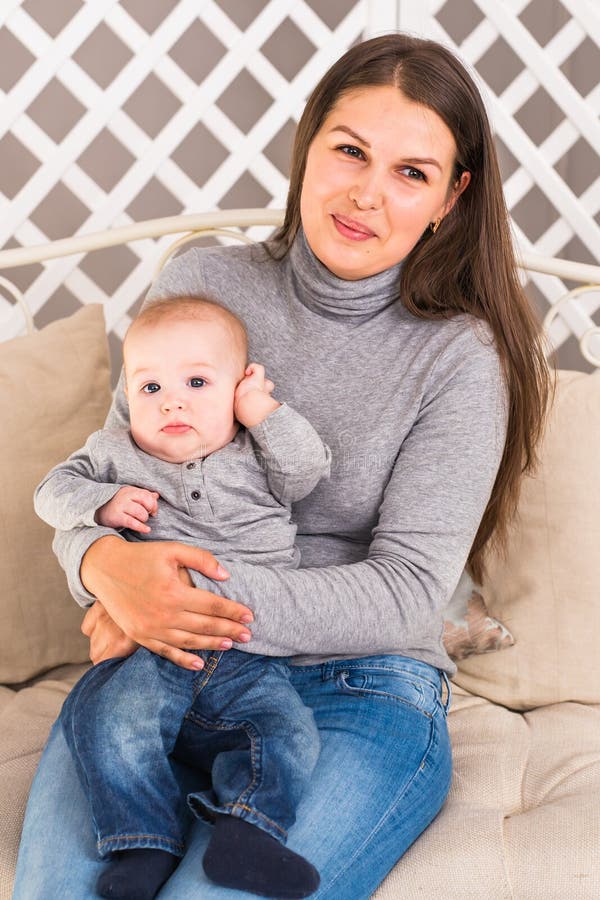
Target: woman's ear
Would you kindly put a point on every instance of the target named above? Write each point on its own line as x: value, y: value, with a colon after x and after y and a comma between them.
x: 456, y: 190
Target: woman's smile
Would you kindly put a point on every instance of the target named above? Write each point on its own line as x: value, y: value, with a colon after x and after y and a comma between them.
x: 351, y: 229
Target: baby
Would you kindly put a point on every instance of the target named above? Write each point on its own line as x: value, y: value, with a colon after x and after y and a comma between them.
x: 211, y: 459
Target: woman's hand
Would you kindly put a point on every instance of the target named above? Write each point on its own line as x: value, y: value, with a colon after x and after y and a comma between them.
x: 107, y: 640
x: 142, y: 587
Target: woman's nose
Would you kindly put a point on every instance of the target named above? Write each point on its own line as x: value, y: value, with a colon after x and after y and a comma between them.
x: 367, y: 193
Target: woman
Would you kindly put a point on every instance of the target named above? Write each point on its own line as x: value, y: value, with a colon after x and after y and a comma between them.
x: 389, y: 313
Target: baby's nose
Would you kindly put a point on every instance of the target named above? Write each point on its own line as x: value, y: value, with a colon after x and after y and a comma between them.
x: 171, y: 402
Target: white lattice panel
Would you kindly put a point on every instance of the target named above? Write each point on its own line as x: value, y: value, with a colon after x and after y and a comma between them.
x: 129, y: 110
x: 538, y: 65
x: 119, y: 111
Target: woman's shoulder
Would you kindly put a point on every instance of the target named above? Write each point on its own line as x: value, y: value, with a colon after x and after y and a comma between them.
x: 212, y: 269
x: 468, y: 337
x: 467, y: 353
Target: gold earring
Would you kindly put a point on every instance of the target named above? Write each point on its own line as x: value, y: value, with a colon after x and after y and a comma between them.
x: 435, y: 225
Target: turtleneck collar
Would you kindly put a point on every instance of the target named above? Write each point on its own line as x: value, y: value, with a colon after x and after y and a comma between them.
x: 323, y: 292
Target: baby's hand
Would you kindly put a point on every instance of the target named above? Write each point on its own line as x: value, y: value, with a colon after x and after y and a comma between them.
x: 254, y: 380
x: 252, y: 402
x: 129, y: 508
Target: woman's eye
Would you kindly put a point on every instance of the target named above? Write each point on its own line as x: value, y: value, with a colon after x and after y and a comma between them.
x: 151, y: 388
x: 197, y: 382
x: 413, y: 174
x: 351, y: 150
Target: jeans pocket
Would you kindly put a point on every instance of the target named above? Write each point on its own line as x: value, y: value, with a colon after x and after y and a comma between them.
x: 389, y: 685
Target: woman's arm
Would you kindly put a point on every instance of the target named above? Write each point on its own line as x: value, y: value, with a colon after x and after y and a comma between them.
x: 432, y: 507
x: 107, y: 640
x: 145, y: 590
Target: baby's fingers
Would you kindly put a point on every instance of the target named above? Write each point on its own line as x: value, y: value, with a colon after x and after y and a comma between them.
x: 255, y: 374
x: 136, y: 522
x: 148, y: 500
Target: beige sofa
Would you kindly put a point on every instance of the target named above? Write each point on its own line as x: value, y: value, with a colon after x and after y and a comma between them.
x: 523, y: 816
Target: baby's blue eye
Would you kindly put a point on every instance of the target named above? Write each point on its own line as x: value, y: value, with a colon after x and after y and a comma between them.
x: 197, y: 382
x: 151, y: 388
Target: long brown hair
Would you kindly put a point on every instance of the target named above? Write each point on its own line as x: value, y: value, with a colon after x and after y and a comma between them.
x: 468, y: 265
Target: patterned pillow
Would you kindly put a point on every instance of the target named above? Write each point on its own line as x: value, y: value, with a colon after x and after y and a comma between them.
x: 468, y: 628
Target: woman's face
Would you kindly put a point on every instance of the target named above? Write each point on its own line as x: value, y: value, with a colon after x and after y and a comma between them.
x: 377, y: 173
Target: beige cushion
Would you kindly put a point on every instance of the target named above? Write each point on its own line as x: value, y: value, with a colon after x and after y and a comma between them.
x: 547, y: 589
x: 54, y: 390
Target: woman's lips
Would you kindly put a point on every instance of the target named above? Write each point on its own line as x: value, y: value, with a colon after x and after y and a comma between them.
x: 351, y: 229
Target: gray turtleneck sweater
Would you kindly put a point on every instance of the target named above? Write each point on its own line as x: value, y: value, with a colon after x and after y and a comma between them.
x: 414, y: 411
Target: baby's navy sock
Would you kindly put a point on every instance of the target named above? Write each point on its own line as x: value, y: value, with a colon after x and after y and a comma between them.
x: 136, y: 874
x: 242, y: 856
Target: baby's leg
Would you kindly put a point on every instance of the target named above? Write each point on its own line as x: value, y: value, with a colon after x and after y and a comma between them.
x: 250, y: 726
x: 121, y: 722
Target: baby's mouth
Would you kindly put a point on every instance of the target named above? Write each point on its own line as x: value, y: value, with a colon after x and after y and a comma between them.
x: 176, y: 428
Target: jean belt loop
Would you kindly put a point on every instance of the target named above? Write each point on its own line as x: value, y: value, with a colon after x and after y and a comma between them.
x: 328, y: 670
x: 446, y: 681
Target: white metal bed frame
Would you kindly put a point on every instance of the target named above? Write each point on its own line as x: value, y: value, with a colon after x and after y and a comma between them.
x: 191, y: 227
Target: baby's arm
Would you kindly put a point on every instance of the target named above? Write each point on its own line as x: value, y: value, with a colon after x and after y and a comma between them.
x: 82, y: 491
x: 295, y: 457
x: 72, y: 491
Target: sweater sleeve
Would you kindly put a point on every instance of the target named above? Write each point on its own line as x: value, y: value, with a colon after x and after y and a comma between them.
x: 71, y: 493
x: 294, y: 455
x: 432, y: 506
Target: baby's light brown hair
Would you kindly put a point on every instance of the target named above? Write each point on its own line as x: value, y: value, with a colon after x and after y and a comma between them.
x: 194, y: 309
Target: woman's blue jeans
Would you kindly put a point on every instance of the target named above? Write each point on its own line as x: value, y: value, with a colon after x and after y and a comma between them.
x: 382, y: 775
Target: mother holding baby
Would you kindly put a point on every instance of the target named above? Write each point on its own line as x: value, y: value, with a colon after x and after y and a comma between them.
x: 388, y: 311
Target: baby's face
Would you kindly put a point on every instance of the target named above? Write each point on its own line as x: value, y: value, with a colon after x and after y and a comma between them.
x: 181, y: 379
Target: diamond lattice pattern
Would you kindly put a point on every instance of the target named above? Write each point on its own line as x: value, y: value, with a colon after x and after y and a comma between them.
x: 120, y: 111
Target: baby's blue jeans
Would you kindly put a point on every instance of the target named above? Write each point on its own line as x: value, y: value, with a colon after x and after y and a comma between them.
x: 248, y: 742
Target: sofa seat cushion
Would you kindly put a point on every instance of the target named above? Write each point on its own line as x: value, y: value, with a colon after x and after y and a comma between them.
x: 521, y: 820
x: 26, y: 716
x: 523, y: 815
